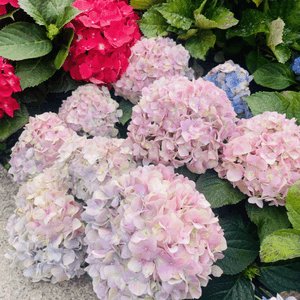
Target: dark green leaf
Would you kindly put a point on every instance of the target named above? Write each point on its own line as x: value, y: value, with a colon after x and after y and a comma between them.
x: 254, y: 60
x: 253, y: 21
x: 10, y: 125
x: 187, y: 173
x: 34, y: 9
x: 228, y: 287
x: 242, y: 244
x: 126, y: 107
x: 52, y: 9
x: 282, y: 53
x: 293, y: 205
x: 178, y: 13
x: 34, y: 94
x: 291, y: 102
x: 198, y: 45
x: 34, y: 71
x: 268, y: 219
x: 144, y: 4
x: 68, y: 34
x: 23, y: 40
x: 218, y: 192
x: 274, y: 75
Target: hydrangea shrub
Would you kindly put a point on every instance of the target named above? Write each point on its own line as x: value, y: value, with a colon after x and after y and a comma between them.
x: 155, y: 237
x: 46, y: 231
x: 234, y: 80
x: 38, y: 146
x: 91, y: 110
x: 179, y: 121
x: 262, y: 157
x: 152, y: 59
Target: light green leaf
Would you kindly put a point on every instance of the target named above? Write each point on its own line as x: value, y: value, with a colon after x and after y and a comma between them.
x: 23, y: 40
x: 34, y: 9
x: 268, y: 219
x: 52, y: 9
x: 275, y: 76
x: 254, y: 60
x: 153, y: 23
x: 178, y: 13
x: 291, y: 102
x: 68, y: 34
x: 188, y: 34
x: 227, y: 287
x: 282, y: 53
x: 144, y: 4
x: 10, y: 125
x: 293, y: 205
x: 68, y: 15
x: 257, y: 2
x: 219, y: 17
x: 242, y: 244
x: 126, y: 107
x: 34, y: 71
x: 218, y: 192
x: 198, y: 45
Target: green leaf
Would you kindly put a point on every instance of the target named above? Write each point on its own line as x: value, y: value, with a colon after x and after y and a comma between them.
x: 268, y: 219
x: 219, y: 17
x: 291, y: 102
x: 280, y: 245
x: 23, y: 40
x: 275, y: 76
x: 253, y: 21
x: 34, y: 9
x: 68, y: 15
x: 280, y: 277
x: 178, y: 13
x: 153, y: 23
x: 242, y: 244
x: 257, y: 2
x: 254, y: 60
x: 33, y: 94
x: 218, y: 192
x: 34, y: 71
x: 144, y: 4
x: 68, y: 34
x: 228, y: 287
x: 11, y: 125
x: 52, y: 9
x: 126, y: 107
x: 282, y: 53
x: 293, y: 205
x: 187, y: 173
x: 198, y: 45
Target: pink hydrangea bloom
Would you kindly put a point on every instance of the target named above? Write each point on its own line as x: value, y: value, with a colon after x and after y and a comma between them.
x: 91, y: 110
x: 38, y: 146
x: 46, y: 231
x: 179, y: 121
x: 262, y: 157
x: 151, y: 235
x: 91, y: 163
x: 151, y: 59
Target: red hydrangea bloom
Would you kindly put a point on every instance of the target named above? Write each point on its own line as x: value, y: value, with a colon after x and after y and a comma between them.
x: 104, y: 33
x: 9, y: 84
x: 3, y: 10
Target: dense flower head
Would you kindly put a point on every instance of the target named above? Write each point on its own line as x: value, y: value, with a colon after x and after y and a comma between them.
x: 179, y: 121
x: 262, y: 157
x: 104, y: 33
x: 46, y: 231
x: 234, y: 80
x: 151, y: 236
x: 278, y: 297
x: 91, y: 163
x: 3, y: 3
x: 91, y: 110
x: 296, y: 66
x: 151, y: 59
x: 9, y: 84
x: 37, y: 147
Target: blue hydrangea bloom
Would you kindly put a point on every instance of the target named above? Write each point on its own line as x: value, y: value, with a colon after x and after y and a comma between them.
x: 234, y: 80
x: 296, y: 66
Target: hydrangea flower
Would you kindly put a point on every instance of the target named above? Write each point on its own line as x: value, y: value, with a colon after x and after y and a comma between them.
x: 38, y: 146
x: 278, y: 297
x: 104, y: 33
x: 9, y: 84
x: 262, y: 157
x: 234, y: 80
x: 151, y: 59
x: 92, y: 110
x: 3, y: 4
x: 296, y: 66
x: 91, y: 163
x: 46, y: 231
x: 153, y: 237
x: 179, y: 121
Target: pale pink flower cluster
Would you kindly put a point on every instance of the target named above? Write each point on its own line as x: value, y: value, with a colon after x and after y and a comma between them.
x: 151, y: 59
x: 91, y: 110
x: 38, y: 146
x: 46, y: 231
x: 262, y: 157
x: 151, y: 236
x: 179, y: 121
x: 91, y: 163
